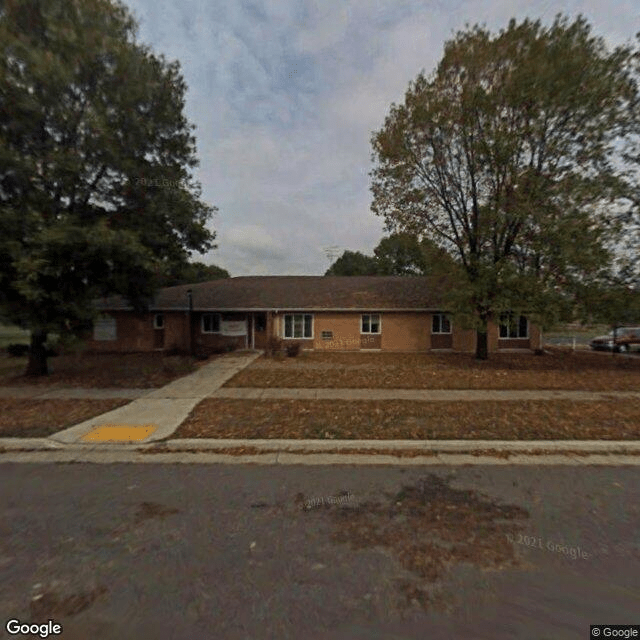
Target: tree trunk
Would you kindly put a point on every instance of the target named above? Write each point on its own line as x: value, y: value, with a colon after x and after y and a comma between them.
x: 37, y: 365
x: 482, y: 349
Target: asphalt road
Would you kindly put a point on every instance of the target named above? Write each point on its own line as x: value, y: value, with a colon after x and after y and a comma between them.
x: 211, y: 551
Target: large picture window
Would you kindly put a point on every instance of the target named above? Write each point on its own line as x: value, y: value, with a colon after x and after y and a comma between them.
x: 512, y: 326
x: 440, y: 323
x: 210, y: 323
x: 298, y: 325
x: 370, y: 323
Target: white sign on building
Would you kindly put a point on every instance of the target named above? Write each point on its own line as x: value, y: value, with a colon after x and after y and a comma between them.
x: 233, y: 327
x: 104, y: 329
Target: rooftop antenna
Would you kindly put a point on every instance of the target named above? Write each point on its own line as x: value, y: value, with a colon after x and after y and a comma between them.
x: 332, y: 252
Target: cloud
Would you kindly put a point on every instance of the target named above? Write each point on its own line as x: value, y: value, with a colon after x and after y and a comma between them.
x: 327, y: 24
x: 285, y: 95
x: 253, y: 237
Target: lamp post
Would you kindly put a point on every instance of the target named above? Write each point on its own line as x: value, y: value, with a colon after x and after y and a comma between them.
x: 190, y: 323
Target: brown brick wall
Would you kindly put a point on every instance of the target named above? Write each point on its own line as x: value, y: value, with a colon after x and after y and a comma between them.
x: 400, y: 332
x: 464, y: 340
x: 345, y: 328
x: 441, y: 341
x: 371, y: 341
x: 176, y: 334
x: 406, y: 331
x: 493, y: 331
x: 135, y: 332
x: 535, y: 341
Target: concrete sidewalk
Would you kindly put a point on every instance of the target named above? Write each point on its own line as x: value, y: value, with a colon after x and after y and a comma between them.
x: 422, y: 395
x: 167, y: 407
x: 201, y: 386
x: 71, y: 393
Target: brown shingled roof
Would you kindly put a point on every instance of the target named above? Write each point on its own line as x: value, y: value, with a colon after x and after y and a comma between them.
x: 298, y: 293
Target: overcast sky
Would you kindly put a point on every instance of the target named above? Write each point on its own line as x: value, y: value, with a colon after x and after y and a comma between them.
x: 286, y: 93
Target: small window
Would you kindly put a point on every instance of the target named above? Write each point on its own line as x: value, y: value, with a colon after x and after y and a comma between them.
x: 327, y: 335
x: 440, y: 323
x: 370, y: 323
x: 158, y: 321
x: 211, y: 323
x: 513, y: 326
x: 298, y: 325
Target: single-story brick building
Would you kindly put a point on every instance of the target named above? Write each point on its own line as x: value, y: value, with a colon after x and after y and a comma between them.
x: 388, y: 313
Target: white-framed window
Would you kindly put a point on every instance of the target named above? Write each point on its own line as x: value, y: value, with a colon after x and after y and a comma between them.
x: 297, y: 325
x: 370, y: 323
x: 440, y: 323
x: 513, y: 326
x: 210, y: 323
x: 158, y: 321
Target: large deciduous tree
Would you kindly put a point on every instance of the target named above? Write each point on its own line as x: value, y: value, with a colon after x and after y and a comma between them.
x: 192, y: 272
x: 404, y: 254
x: 508, y: 157
x: 353, y: 263
x: 399, y: 254
x: 96, y: 194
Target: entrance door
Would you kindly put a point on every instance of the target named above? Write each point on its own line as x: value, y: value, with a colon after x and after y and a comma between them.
x: 260, y: 330
x: 158, y: 339
x: 158, y: 331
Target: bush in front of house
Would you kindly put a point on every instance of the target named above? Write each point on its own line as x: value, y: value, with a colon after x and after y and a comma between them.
x: 274, y: 347
x: 293, y: 349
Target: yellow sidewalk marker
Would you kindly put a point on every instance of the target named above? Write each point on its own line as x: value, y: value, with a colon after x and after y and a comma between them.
x: 119, y: 433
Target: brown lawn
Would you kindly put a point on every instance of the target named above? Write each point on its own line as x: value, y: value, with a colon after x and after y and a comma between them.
x: 40, y: 418
x: 134, y: 370
x: 408, y: 420
x: 557, y: 369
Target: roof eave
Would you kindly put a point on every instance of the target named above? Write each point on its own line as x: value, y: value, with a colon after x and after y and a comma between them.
x: 278, y: 309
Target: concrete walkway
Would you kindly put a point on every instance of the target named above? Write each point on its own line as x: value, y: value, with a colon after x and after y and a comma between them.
x: 167, y: 407
x: 423, y: 395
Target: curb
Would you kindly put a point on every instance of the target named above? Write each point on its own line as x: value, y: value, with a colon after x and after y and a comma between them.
x: 428, y: 446
x: 204, y: 445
